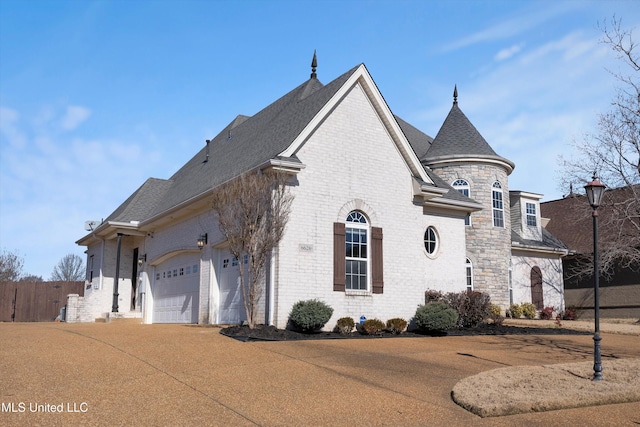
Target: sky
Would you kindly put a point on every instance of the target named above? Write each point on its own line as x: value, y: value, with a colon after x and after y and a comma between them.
x: 98, y: 96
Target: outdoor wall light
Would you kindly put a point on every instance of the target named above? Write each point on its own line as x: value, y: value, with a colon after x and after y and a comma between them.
x: 142, y: 259
x: 202, y: 240
x: 595, y: 192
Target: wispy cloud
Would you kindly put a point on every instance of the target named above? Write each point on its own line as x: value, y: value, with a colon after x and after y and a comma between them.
x: 53, y: 181
x: 74, y: 116
x: 522, y: 22
x: 508, y: 52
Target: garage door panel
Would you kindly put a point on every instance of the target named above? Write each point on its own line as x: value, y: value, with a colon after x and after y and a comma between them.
x: 176, y: 290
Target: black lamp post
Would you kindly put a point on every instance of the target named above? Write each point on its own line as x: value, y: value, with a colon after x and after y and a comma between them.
x: 595, y: 192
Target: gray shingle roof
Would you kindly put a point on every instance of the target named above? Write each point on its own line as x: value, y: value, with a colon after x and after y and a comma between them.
x: 458, y: 137
x: 549, y: 241
x: 247, y: 143
x: 142, y: 203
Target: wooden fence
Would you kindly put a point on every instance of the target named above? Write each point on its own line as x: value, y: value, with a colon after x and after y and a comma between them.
x: 35, y: 301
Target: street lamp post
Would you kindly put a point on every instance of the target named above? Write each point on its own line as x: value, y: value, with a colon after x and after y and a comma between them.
x: 595, y: 192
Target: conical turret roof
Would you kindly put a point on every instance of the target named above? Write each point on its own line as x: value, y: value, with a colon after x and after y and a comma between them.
x: 458, y: 138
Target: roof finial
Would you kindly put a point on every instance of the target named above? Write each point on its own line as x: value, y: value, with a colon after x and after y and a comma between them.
x: 314, y: 65
x: 455, y: 94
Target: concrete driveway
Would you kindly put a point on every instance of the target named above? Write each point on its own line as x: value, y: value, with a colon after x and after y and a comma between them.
x: 132, y: 374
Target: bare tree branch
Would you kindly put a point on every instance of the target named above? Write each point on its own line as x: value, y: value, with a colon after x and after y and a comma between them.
x: 253, y: 211
x: 614, y: 153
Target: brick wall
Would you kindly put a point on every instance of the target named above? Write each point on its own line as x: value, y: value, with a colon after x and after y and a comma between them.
x: 351, y: 163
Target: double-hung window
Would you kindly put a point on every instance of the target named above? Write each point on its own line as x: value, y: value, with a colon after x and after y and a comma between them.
x: 531, y: 214
x: 498, y: 207
x: 356, y: 245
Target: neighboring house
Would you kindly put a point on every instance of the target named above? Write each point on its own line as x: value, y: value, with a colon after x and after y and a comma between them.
x: 571, y: 221
x: 425, y: 213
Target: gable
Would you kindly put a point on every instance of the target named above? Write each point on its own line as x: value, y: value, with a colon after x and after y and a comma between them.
x: 361, y: 78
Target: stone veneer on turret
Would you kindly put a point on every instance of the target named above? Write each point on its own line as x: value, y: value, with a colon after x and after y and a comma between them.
x: 459, y: 152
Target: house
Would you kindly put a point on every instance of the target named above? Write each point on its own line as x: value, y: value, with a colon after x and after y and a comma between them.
x: 427, y: 213
x: 571, y: 221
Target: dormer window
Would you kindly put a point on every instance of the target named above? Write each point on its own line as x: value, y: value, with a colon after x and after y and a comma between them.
x: 531, y: 214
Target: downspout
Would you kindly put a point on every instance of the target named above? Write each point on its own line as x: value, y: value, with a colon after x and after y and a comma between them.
x: 114, y: 306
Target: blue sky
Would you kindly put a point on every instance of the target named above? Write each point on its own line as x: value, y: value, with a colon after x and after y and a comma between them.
x: 97, y: 96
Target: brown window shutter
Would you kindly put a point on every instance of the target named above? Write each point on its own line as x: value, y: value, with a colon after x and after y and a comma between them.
x: 339, y: 264
x: 377, y: 273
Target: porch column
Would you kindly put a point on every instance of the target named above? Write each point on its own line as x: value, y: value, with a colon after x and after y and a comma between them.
x: 114, y: 306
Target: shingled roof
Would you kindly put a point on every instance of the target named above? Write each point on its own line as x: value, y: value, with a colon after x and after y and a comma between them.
x: 459, y: 138
x: 248, y: 143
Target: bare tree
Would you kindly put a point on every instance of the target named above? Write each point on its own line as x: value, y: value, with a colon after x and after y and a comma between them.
x: 253, y: 211
x: 31, y: 278
x: 10, y: 266
x: 69, y: 269
x: 613, y: 152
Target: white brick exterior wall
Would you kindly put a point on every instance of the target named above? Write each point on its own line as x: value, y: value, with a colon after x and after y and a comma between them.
x: 552, y: 285
x: 351, y: 162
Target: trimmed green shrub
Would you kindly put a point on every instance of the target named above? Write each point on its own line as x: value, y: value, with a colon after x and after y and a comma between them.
x: 431, y: 295
x: 435, y: 317
x: 345, y: 325
x: 473, y: 307
x: 310, y: 315
x: 515, y: 310
x: 546, y: 313
x: 396, y: 325
x: 529, y: 310
x: 372, y: 326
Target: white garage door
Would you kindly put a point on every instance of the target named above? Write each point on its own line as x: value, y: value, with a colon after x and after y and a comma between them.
x: 231, y: 306
x: 176, y: 290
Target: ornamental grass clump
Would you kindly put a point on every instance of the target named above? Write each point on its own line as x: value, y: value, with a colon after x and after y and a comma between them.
x: 515, y: 310
x: 396, y: 325
x: 529, y: 310
x: 345, y: 325
x: 496, y: 315
x: 310, y: 315
x: 435, y: 317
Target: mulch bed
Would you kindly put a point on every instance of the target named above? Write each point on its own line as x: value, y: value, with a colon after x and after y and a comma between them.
x: 271, y: 333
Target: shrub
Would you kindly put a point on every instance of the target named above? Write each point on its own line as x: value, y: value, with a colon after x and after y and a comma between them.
x: 396, y: 325
x: 569, y: 313
x: 373, y: 326
x: 310, y: 315
x: 435, y: 317
x: 529, y: 310
x: 546, y: 313
x: 496, y: 315
x: 431, y: 295
x: 472, y: 307
x: 515, y: 310
x: 345, y: 325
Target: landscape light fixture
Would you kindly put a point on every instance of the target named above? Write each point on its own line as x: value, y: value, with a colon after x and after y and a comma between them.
x: 595, y: 192
x: 202, y: 240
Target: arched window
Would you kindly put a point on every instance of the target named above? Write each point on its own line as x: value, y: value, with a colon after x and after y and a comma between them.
x: 498, y: 206
x: 469, y: 270
x: 462, y: 186
x: 356, y: 245
x: 431, y: 241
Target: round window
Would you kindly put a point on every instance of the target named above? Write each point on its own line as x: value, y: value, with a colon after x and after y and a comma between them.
x: 431, y: 240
